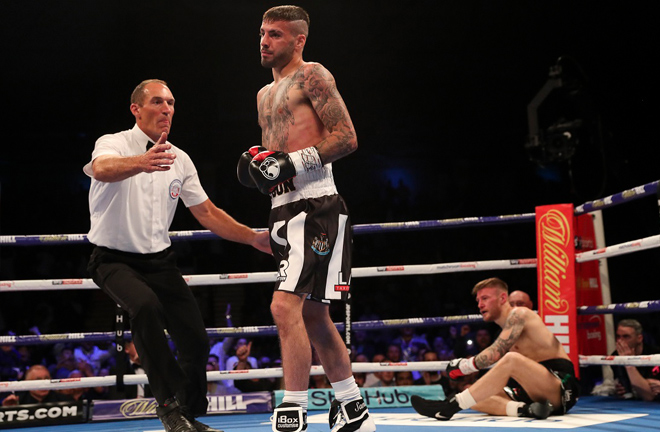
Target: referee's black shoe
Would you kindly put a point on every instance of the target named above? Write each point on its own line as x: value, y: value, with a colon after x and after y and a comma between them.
x: 172, y: 418
x: 198, y: 425
x: 201, y: 427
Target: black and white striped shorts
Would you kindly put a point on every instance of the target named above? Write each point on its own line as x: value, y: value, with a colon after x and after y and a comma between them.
x: 312, y: 240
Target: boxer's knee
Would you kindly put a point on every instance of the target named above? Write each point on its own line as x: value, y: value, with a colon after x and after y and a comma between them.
x: 277, y: 309
x: 285, y: 308
x: 511, y: 361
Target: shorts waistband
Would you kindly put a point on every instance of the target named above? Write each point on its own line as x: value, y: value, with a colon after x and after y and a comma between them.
x: 313, y: 184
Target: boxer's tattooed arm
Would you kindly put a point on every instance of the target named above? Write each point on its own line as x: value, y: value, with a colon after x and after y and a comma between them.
x: 511, y: 331
x: 319, y: 86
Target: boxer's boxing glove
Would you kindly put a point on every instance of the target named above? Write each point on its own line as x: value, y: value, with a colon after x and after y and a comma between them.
x: 243, y: 167
x: 270, y: 168
x: 460, y: 367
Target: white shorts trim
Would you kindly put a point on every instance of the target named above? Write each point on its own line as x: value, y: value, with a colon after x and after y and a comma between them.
x: 312, y: 184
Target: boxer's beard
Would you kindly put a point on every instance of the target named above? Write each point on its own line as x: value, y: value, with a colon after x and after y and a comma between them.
x: 280, y: 59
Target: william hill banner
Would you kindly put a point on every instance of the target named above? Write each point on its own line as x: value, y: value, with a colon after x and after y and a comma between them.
x: 258, y: 402
x: 555, y: 253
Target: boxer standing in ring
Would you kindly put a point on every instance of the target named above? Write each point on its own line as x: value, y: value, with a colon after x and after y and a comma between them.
x: 305, y: 127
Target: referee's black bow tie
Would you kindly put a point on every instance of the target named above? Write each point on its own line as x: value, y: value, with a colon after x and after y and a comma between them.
x: 149, y: 145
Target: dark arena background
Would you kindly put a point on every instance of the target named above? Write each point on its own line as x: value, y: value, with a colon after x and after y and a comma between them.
x: 438, y: 92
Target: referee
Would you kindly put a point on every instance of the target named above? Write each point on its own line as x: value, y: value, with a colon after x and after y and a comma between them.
x: 137, y: 180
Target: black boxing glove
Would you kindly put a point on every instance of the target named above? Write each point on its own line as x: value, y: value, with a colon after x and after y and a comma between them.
x: 270, y: 168
x: 242, y: 169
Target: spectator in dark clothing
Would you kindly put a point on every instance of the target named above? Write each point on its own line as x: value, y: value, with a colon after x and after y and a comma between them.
x: 411, y: 345
x: 66, y: 362
x: 403, y: 378
x: 243, y: 362
x: 636, y: 382
x: 36, y: 372
x: 463, y: 342
x: 432, y: 377
x: 11, y: 366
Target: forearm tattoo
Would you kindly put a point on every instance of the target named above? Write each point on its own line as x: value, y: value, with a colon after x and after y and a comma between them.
x: 510, y: 333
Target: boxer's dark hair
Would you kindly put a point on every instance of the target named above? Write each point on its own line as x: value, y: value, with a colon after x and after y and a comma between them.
x: 290, y: 14
x: 490, y: 282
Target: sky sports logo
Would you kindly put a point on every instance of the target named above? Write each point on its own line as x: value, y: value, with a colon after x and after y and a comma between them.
x: 43, y: 413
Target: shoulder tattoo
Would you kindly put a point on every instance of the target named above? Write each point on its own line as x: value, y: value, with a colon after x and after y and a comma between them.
x: 323, y: 94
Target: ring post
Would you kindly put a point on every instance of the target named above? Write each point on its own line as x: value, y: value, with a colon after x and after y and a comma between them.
x: 555, y: 253
x: 592, y: 334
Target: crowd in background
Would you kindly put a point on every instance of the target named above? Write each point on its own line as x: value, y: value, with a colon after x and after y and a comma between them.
x: 64, y: 360
x: 86, y: 359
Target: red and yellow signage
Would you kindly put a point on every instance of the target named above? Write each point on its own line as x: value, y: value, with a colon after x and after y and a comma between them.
x: 555, y: 252
x: 591, y: 328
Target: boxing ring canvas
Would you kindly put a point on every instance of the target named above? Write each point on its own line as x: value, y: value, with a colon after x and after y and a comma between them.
x: 591, y: 413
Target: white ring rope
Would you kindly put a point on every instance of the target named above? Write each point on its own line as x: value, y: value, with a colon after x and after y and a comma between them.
x: 110, y: 380
x: 242, y: 278
x: 644, y: 360
x: 437, y: 366
x: 390, y: 270
x: 620, y: 249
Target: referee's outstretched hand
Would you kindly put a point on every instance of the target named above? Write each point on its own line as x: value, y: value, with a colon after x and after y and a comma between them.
x: 156, y: 158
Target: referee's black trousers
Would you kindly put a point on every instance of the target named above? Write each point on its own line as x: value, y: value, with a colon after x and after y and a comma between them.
x: 151, y: 289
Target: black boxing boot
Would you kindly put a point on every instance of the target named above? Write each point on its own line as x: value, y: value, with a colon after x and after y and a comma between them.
x: 439, y: 410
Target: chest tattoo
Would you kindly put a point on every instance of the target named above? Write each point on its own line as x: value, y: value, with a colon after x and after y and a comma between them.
x: 275, y: 114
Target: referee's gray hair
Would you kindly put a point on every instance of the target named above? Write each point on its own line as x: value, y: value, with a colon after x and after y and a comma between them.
x: 137, y: 97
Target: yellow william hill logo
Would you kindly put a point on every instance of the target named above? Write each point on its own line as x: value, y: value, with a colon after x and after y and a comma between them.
x: 138, y: 408
x: 554, y: 239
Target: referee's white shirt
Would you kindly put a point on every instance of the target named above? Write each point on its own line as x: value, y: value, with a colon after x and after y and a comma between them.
x: 135, y: 214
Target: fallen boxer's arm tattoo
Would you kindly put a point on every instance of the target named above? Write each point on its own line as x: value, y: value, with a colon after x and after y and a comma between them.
x: 510, y: 333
